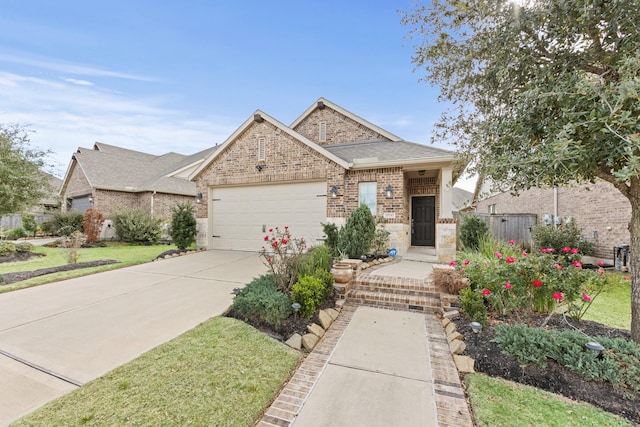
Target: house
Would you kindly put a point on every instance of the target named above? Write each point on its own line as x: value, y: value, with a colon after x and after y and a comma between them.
x: 108, y: 178
x: 599, y: 209
x: 318, y: 170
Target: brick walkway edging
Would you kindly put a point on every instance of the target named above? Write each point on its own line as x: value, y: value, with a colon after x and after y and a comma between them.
x: 450, y: 400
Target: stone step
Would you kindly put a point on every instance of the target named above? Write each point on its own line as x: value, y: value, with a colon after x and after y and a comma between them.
x: 399, y: 302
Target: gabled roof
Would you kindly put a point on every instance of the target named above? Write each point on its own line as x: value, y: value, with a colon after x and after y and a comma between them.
x: 367, y: 154
x: 259, y: 115
x: 322, y: 102
x: 108, y: 167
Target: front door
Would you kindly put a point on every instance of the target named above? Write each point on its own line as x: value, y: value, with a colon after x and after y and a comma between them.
x: 423, y: 221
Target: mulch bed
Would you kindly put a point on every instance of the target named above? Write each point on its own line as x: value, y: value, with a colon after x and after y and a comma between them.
x: 554, y: 378
x: 19, y: 256
x: 9, y: 278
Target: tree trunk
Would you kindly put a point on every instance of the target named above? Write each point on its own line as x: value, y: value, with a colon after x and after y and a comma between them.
x: 634, y: 228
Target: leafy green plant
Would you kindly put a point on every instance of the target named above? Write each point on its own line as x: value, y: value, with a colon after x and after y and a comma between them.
x: 65, y: 223
x: 282, y: 254
x: 92, y: 221
x: 472, y: 229
x: 380, y: 242
x: 472, y: 304
x: 24, y: 247
x: 183, y: 225
x: 133, y: 225
x: 262, y: 301
x: 327, y: 280
x: 15, y: 233
x: 331, y: 232
x: 7, y: 248
x: 318, y: 257
x: 309, y: 292
x: 29, y: 223
x: 356, y: 237
x: 567, y: 235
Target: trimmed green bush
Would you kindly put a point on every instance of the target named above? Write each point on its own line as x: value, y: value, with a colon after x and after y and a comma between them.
x: 472, y: 229
x: 567, y: 235
x: 7, y: 248
x: 309, y: 291
x: 15, y: 233
x: 327, y: 280
x: 133, y: 225
x: 24, y: 247
x: 65, y: 223
x: 331, y: 232
x: 261, y: 301
x: 183, y: 225
x: 356, y: 237
x: 29, y: 224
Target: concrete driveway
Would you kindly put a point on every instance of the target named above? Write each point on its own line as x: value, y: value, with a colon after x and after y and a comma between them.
x: 61, y: 335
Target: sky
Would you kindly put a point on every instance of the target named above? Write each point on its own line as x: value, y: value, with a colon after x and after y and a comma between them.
x: 160, y: 76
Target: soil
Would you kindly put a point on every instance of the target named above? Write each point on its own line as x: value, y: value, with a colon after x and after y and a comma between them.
x: 9, y: 278
x: 554, y: 378
x: 19, y: 256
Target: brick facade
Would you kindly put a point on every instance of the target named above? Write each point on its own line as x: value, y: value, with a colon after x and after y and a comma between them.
x: 77, y: 184
x: 600, y: 210
x: 340, y: 128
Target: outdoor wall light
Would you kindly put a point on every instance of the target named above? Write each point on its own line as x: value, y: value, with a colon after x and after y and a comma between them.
x: 198, y: 197
x: 389, y: 191
x: 421, y: 172
x: 296, y: 307
x: 595, y: 346
x: 260, y: 167
x: 334, y: 191
x: 90, y: 199
x: 476, y: 327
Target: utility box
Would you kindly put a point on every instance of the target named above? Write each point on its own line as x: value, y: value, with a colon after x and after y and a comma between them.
x: 621, y: 257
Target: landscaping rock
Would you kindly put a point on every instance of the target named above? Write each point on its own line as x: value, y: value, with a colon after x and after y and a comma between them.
x: 455, y: 336
x: 451, y: 314
x: 340, y: 303
x: 316, y: 329
x: 457, y: 346
x: 295, y: 341
x: 325, y: 319
x: 309, y: 341
x: 463, y: 363
x: 445, y: 322
x: 364, y: 266
x: 333, y: 313
x: 450, y: 328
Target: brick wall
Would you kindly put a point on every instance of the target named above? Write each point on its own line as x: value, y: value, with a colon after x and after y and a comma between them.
x: 601, y: 208
x: 108, y: 202
x: 383, y: 177
x: 77, y: 184
x: 340, y: 128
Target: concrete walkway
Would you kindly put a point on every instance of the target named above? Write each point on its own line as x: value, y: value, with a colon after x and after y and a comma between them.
x: 79, y: 329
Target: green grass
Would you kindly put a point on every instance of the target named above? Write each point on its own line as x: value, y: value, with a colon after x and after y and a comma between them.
x: 221, y: 373
x: 613, y: 306
x: 497, y: 402
x: 126, y: 254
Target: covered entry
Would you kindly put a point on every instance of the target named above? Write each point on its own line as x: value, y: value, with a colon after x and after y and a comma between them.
x: 423, y: 221
x: 241, y: 216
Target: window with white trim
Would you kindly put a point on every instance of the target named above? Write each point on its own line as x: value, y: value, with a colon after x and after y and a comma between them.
x: 261, y: 149
x: 322, y: 132
x: 368, y: 195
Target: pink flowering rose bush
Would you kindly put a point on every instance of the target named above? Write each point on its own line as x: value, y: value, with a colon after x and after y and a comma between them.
x: 514, y: 281
x: 281, y: 252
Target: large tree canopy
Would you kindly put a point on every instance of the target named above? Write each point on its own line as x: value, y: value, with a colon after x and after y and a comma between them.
x: 544, y: 92
x: 22, y: 183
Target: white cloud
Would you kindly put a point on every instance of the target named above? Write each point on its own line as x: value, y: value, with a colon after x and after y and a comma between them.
x: 77, y: 81
x: 66, y: 116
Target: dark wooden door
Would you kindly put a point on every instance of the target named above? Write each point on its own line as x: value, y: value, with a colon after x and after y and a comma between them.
x: 423, y: 221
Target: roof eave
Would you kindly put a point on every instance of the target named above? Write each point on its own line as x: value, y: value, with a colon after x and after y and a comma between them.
x: 408, y: 163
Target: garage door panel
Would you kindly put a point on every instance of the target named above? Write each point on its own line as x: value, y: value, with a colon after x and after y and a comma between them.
x: 239, y: 213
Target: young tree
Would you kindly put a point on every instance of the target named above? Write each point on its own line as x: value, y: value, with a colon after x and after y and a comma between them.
x: 543, y: 93
x: 22, y: 183
x: 183, y: 228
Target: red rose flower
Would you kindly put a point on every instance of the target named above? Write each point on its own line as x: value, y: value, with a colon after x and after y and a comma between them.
x: 537, y: 283
x: 510, y: 260
x: 508, y: 285
x: 557, y: 296
x: 486, y: 292
x: 466, y: 262
x: 452, y: 263
x: 586, y: 298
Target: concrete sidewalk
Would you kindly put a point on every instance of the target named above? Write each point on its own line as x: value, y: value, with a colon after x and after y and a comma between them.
x: 81, y: 328
x: 378, y: 375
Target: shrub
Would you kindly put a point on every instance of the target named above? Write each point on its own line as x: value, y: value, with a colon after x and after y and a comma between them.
x: 331, y: 241
x: 356, y: 237
x: 318, y: 257
x: 73, y: 250
x: 567, y: 235
x: 183, y: 225
x: 15, y: 233
x: 380, y: 242
x: 261, y: 301
x: 7, y: 248
x: 29, y: 224
x: 92, y: 221
x: 472, y: 229
x: 24, y: 247
x: 46, y: 228
x: 282, y: 254
x: 309, y: 292
x: 472, y: 304
x: 327, y: 280
x: 65, y: 223
x: 133, y: 225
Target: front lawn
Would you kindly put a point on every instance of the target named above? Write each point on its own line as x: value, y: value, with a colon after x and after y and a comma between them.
x: 221, y: 373
x: 613, y: 306
x: 125, y: 253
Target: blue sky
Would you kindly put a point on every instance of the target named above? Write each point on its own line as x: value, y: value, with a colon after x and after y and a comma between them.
x: 159, y: 76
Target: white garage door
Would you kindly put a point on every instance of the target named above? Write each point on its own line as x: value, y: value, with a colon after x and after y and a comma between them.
x: 242, y: 216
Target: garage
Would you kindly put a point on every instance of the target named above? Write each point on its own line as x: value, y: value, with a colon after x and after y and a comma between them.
x: 241, y: 216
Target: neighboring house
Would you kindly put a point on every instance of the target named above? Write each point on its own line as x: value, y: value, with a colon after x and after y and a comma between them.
x: 461, y: 199
x: 318, y: 170
x: 109, y: 178
x: 42, y: 210
x: 600, y: 210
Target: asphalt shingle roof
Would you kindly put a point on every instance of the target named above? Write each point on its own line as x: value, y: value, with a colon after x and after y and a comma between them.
x: 385, y: 151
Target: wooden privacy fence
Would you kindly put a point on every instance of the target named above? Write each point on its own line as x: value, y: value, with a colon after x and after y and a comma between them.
x: 510, y: 226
